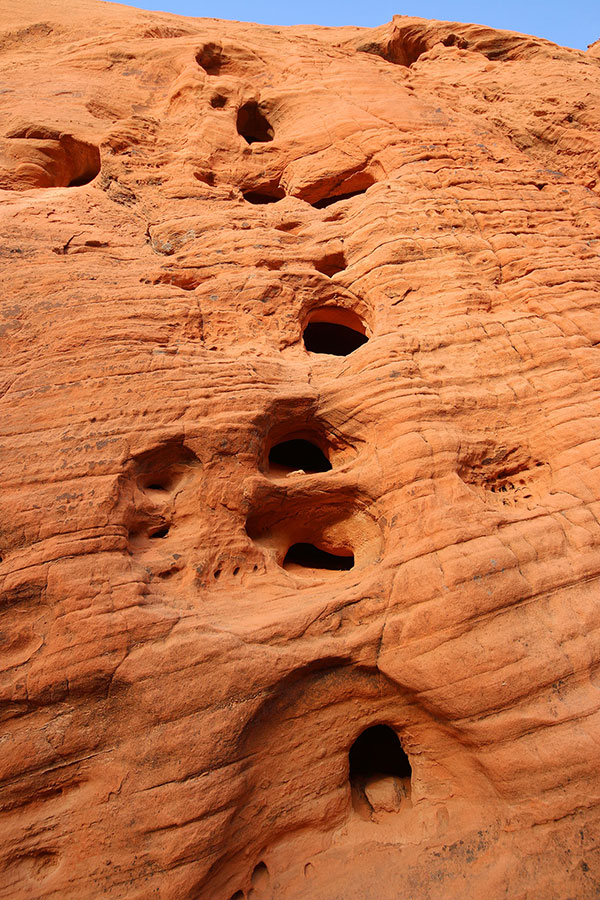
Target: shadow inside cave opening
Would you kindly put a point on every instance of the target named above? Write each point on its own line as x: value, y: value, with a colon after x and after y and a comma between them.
x: 297, y: 454
x: 380, y: 773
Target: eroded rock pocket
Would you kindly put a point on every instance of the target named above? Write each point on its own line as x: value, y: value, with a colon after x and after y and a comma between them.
x: 153, y: 480
x: 298, y: 442
x: 264, y: 194
x: 331, y: 263
x: 380, y: 773
x: 211, y: 59
x: 352, y: 186
x: 403, y: 48
x: 162, y: 468
x: 335, y: 331
x: 297, y: 454
x: 39, y: 157
x: 308, y: 538
x: 507, y: 476
x: 260, y: 885
x: 308, y: 556
x: 252, y: 123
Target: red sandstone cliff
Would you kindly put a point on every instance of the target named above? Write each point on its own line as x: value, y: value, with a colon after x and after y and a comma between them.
x: 300, y: 443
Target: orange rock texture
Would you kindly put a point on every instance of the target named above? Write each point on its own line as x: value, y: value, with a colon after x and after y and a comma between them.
x: 300, y: 408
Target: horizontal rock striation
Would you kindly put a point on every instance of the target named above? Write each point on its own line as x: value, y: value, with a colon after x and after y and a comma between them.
x: 300, y: 435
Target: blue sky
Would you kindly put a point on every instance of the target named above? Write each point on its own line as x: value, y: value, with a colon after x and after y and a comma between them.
x: 573, y: 23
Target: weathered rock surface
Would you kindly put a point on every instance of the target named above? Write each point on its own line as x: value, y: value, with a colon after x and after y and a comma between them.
x: 226, y: 556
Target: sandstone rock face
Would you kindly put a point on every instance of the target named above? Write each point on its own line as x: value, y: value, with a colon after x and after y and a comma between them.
x: 300, y: 447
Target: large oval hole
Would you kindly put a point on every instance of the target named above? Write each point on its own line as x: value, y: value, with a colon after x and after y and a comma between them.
x: 308, y: 556
x: 380, y: 772
x: 297, y: 453
x: 335, y: 331
x: 252, y: 123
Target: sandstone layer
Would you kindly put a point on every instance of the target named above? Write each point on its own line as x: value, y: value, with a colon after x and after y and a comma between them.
x: 300, y: 445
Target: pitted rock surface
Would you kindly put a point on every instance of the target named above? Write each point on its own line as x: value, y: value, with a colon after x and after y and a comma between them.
x: 300, y: 433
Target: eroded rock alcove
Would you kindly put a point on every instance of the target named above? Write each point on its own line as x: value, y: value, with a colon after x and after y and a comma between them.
x: 300, y: 418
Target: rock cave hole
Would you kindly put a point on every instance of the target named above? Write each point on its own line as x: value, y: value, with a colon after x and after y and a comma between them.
x: 252, y: 124
x: 81, y: 162
x: 337, y: 198
x: 206, y: 178
x: 218, y: 101
x: 334, y: 331
x: 160, y: 532
x: 85, y: 178
x: 308, y: 556
x: 379, y: 771
x: 265, y: 196
x: 331, y: 264
x: 260, y: 877
x: 210, y: 58
x: 295, y: 454
x: 451, y: 40
x: 354, y: 186
x: 403, y: 49
x: 62, y: 159
x: 160, y: 469
x: 293, y: 225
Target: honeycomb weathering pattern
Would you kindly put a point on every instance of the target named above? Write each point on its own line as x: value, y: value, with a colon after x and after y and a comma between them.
x: 177, y: 707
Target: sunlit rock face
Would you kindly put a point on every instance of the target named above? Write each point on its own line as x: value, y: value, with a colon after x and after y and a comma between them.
x: 300, y: 442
